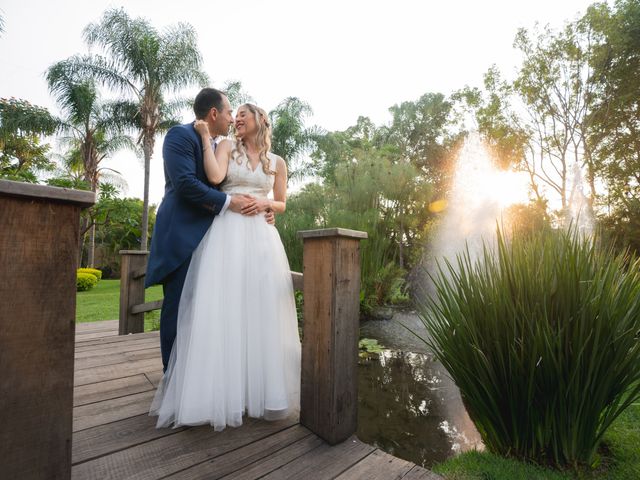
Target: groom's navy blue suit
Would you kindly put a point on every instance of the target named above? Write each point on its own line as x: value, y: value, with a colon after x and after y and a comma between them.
x: 185, y: 214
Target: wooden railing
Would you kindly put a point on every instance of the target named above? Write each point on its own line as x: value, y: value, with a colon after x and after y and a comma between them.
x: 330, y: 283
x: 39, y: 237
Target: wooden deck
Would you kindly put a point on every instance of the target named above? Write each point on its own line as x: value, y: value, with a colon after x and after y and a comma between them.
x: 114, y: 438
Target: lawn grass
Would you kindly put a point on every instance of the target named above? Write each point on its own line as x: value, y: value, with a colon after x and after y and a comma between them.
x: 620, y: 462
x: 102, y: 303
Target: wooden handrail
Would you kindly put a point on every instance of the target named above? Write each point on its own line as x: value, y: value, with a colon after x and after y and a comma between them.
x: 146, y: 307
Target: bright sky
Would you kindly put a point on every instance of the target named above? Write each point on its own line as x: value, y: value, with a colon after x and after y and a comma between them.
x: 346, y: 58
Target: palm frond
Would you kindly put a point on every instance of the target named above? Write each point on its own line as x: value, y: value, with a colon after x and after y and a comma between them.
x: 120, y: 115
x: 97, y: 67
x: 179, y: 58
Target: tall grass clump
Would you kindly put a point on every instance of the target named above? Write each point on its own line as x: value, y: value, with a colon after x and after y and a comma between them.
x: 541, y: 335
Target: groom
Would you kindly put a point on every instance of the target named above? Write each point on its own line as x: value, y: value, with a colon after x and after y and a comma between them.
x: 187, y: 209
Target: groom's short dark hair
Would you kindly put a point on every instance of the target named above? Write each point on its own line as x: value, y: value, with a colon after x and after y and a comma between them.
x: 206, y: 100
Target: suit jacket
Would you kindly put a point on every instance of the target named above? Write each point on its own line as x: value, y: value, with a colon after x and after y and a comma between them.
x: 188, y: 206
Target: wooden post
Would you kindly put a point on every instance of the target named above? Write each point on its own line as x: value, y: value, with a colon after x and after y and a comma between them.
x: 132, y: 272
x: 329, y: 381
x: 39, y: 230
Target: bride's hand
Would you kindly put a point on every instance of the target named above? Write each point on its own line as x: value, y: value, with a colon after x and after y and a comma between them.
x: 258, y: 205
x: 202, y: 128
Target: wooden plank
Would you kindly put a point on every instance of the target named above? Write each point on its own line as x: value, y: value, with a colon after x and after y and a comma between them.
x: 147, y: 307
x: 332, y: 232
x: 118, y: 357
x: 278, y: 459
x: 419, y: 473
x: 154, y: 377
x: 230, y: 463
x: 83, y: 344
x: 105, y: 439
x: 38, y: 257
x: 324, y: 462
x: 97, y: 392
x: 173, y: 453
x: 119, y: 370
x: 94, y: 335
x: 100, y: 413
x: 46, y: 194
x: 110, y: 349
x: 101, y: 325
x: 378, y: 466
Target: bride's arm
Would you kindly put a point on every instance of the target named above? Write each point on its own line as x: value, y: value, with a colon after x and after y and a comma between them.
x: 215, y: 163
x: 279, y: 202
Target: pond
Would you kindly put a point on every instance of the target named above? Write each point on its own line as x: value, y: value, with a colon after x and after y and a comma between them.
x: 407, y: 404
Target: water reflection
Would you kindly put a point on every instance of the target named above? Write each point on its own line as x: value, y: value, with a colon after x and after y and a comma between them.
x: 409, y: 407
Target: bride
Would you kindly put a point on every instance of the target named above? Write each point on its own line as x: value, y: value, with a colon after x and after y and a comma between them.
x: 237, y: 348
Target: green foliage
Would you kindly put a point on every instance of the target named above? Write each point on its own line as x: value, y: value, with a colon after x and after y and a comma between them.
x: 291, y: 139
x: 367, y: 346
x: 541, y: 337
x: 85, y: 281
x: 374, y: 181
x: 22, y: 154
x: 118, y: 228
x: 93, y: 271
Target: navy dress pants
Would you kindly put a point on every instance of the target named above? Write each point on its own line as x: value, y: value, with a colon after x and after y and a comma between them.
x: 172, y: 289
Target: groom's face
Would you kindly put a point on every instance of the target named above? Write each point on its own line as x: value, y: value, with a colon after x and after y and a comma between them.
x: 223, y: 119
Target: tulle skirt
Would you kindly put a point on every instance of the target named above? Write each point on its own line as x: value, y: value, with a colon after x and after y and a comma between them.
x: 237, y: 348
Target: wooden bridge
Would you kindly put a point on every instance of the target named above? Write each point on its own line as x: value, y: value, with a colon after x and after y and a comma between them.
x: 84, y: 415
x: 113, y: 436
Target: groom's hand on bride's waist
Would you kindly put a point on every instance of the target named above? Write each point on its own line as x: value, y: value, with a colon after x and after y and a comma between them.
x: 249, y: 205
x: 240, y: 202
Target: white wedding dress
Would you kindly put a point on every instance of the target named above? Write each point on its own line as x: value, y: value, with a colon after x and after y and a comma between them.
x: 237, y: 348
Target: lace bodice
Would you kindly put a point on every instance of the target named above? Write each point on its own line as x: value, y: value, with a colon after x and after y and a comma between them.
x: 241, y: 179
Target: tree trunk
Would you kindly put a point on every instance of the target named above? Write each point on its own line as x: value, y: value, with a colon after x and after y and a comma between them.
x: 92, y: 246
x: 148, y: 151
x: 83, y: 229
x: 401, y: 239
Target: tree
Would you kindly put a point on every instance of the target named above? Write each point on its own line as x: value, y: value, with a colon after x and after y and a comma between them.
x: 424, y: 133
x: 22, y: 125
x: 118, y: 227
x: 291, y: 139
x: 95, y: 132
x: 615, y: 118
x: 554, y: 84
x: 147, y: 65
x: 236, y: 95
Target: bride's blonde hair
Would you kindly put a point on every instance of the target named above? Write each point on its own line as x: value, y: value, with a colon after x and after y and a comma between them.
x: 263, y: 139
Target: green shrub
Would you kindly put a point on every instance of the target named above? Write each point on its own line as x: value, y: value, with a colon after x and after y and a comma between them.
x: 93, y: 271
x: 541, y: 335
x: 85, y: 281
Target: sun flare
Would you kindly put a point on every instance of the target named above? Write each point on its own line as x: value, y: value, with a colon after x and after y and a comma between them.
x: 480, y: 196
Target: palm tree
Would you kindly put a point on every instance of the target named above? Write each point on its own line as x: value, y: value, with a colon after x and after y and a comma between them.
x: 144, y: 64
x: 94, y: 132
x: 290, y: 138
